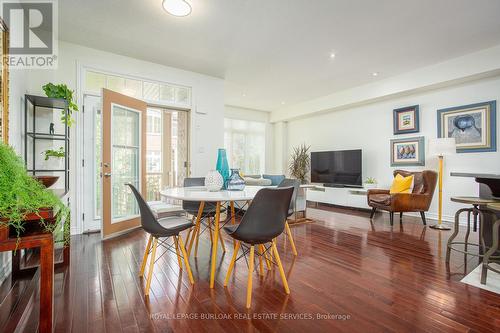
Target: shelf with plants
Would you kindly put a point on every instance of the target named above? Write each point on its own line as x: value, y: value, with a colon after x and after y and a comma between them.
x: 47, y: 139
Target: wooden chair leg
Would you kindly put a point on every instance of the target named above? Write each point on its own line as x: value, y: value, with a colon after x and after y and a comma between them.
x: 210, y: 230
x: 151, y: 266
x: 282, y: 271
x: 222, y: 241
x: 188, y: 236
x: 198, y: 222
x: 290, y: 238
x: 177, y: 251
x: 197, y: 239
x: 145, y: 257
x: 186, y: 259
x: 261, y: 265
x: 250, y: 273
x: 231, y: 264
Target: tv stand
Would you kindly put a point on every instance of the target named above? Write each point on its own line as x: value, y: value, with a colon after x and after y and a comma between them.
x: 338, y: 195
x: 341, y: 186
x: 333, y: 185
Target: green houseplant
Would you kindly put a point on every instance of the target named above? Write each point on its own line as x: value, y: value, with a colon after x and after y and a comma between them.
x: 54, y: 153
x: 62, y: 91
x: 300, y: 162
x: 21, y: 195
x: 370, y: 182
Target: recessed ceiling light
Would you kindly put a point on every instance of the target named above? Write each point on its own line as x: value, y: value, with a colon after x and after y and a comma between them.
x: 177, y: 7
x: 244, y: 95
x: 332, y: 55
x: 282, y: 103
x: 375, y: 73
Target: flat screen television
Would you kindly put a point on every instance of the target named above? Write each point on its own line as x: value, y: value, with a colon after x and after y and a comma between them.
x: 337, y: 168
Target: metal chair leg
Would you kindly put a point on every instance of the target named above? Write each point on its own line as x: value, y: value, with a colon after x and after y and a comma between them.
x: 467, y: 234
x: 491, y: 251
x: 454, y: 234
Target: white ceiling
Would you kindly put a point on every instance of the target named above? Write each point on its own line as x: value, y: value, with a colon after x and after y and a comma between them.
x: 274, y: 51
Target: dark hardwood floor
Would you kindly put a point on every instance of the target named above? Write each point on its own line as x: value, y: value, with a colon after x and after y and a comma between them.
x: 365, y: 276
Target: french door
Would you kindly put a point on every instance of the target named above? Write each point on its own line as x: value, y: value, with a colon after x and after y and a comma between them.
x: 123, y: 161
x: 167, y: 156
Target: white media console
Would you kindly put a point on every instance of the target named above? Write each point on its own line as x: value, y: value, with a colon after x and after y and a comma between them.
x: 339, y: 196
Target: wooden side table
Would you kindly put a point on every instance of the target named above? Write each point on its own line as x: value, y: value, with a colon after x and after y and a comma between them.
x: 33, y: 237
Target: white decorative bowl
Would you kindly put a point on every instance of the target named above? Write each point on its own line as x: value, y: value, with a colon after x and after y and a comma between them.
x: 214, y: 181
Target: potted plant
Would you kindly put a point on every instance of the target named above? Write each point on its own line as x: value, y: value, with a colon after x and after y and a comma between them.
x: 62, y: 91
x: 24, y: 198
x: 57, y: 154
x: 370, y: 182
x: 300, y: 162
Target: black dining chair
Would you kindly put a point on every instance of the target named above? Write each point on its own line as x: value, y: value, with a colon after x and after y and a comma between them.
x: 263, y: 221
x: 161, y: 228
x: 295, y: 183
x: 203, y: 218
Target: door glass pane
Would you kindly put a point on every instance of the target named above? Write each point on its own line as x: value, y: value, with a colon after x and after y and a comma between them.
x: 154, y: 154
x: 125, y: 165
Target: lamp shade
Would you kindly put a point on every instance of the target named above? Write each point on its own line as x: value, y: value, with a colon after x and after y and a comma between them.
x: 442, y: 146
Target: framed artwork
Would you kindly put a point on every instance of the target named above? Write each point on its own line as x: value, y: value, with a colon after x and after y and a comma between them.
x: 473, y: 126
x: 4, y: 83
x: 406, y: 120
x: 408, y: 151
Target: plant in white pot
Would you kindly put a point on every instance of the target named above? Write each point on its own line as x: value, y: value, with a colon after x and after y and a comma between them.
x: 300, y: 163
x: 370, y: 182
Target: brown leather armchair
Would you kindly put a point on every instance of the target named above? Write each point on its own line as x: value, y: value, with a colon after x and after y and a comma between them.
x: 424, y: 184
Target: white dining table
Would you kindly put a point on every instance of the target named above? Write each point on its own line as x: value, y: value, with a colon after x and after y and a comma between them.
x: 201, y: 194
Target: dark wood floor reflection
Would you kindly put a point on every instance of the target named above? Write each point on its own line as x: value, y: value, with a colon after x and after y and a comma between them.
x: 372, y: 277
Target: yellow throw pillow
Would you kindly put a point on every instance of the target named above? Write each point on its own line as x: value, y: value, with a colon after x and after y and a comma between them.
x: 401, y: 184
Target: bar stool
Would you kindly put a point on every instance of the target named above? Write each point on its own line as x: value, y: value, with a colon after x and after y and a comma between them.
x: 476, y: 211
x: 488, y: 256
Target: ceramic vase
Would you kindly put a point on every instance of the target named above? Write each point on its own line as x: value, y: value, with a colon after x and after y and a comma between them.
x: 235, y: 182
x: 222, y: 165
x: 214, y: 181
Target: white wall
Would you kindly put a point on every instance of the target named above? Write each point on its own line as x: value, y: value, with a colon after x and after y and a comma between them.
x: 206, y: 131
x: 235, y: 112
x: 370, y: 128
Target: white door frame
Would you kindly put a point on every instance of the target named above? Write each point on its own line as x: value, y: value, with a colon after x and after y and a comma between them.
x: 78, y: 201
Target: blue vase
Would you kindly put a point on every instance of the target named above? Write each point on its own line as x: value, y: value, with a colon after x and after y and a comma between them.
x: 222, y: 165
x: 235, y: 182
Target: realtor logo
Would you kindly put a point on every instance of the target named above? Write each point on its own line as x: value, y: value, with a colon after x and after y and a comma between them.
x: 32, y: 28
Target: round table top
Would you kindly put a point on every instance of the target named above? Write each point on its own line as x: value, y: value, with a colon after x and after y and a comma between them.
x: 200, y: 193
x: 473, y: 200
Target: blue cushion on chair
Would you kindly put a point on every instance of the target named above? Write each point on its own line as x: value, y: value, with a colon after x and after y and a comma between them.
x: 275, y: 179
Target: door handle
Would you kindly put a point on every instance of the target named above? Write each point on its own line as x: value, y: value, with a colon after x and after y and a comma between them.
x: 107, y: 174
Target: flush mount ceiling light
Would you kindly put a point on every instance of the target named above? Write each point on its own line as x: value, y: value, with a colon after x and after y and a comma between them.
x: 177, y: 7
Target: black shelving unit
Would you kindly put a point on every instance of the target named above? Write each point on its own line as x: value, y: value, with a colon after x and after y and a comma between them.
x: 59, y: 105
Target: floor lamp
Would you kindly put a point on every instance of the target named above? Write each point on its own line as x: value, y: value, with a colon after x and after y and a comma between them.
x: 441, y: 147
